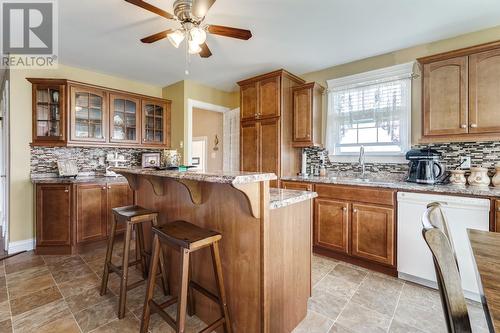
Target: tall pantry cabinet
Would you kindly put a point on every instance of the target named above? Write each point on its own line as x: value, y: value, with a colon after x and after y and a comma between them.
x: 266, y: 103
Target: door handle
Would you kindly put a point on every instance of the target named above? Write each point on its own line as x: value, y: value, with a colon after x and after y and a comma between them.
x: 473, y: 125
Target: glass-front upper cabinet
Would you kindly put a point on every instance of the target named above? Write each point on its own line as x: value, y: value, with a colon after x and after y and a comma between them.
x: 48, y: 97
x: 156, y: 116
x: 124, y: 124
x: 88, y: 114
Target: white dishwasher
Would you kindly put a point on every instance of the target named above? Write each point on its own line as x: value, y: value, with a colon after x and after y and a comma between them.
x: 414, y: 257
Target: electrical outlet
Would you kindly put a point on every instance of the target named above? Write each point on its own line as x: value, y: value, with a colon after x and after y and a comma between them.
x: 465, y: 161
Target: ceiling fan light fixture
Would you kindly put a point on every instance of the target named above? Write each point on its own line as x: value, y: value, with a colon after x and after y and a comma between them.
x: 198, y: 35
x: 194, y: 48
x: 176, y: 38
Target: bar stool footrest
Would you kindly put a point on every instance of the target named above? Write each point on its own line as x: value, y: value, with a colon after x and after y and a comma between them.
x: 204, y: 291
x: 155, y: 307
x: 219, y: 322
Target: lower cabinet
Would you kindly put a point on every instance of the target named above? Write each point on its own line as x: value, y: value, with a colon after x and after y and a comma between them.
x: 91, y: 212
x: 53, y: 217
x: 496, y: 226
x: 363, y: 231
x: 69, y: 215
x: 373, y: 233
x: 331, y: 225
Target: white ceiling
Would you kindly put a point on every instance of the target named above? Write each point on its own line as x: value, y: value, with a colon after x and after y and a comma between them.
x: 299, y: 35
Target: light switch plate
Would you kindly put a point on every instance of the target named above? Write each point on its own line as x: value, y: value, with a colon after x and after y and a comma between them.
x: 466, y: 164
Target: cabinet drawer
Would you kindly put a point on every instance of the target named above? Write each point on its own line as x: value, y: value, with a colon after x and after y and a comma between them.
x: 296, y: 186
x: 355, y: 193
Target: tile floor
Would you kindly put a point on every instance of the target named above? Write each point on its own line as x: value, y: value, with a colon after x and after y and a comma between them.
x: 350, y: 299
x: 61, y: 294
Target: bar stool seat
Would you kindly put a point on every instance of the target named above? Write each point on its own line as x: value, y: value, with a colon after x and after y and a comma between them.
x: 187, y: 238
x: 133, y: 217
x: 187, y: 235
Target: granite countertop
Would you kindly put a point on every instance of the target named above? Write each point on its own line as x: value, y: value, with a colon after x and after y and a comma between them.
x: 397, y: 183
x: 99, y: 179
x: 222, y: 177
x: 281, y: 198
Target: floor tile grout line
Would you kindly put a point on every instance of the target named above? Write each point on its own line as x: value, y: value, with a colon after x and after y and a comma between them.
x: 324, y: 275
x: 397, y: 304
x: 63, y: 298
x: 350, y: 298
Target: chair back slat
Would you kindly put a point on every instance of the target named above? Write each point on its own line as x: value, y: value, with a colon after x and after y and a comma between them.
x: 447, y: 273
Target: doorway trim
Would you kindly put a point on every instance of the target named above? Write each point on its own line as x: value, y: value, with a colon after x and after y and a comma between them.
x: 5, y: 151
x: 188, y: 135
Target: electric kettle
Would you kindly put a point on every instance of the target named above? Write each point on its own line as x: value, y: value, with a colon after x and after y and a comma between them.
x: 429, y: 172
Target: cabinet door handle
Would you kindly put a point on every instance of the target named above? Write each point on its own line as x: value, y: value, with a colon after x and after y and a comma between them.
x: 104, y: 187
x: 109, y: 187
x: 354, y: 210
x: 473, y: 125
x: 344, y: 209
x: 66, y: 190
x: 463, y: 126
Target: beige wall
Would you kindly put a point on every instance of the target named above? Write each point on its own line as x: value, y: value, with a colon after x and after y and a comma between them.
x: 400, y: 57
x: 209, y: 123
x: 180, y: 92
x: 21, y: 190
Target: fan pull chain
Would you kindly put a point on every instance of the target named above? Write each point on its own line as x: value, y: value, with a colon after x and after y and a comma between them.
x: 187, y: 60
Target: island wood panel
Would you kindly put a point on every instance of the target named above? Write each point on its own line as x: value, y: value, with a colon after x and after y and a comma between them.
x: 226, y: 210
x: 485, y: 247
x: 290, y: 265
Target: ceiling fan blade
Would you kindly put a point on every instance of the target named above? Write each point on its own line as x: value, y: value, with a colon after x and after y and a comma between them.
x: 230, y: 32
x: 201, y: 7
x: 205, y: 51
x: 151, y: 8
x: 156, y: 37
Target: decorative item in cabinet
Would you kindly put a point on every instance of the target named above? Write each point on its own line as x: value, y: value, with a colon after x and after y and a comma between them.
x: 49, y: 111
x: 156, y: 116
x: 124, y: 118
x: 88, y: 114
x: 307, y: 101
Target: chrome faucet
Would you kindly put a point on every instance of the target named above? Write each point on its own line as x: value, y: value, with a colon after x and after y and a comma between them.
x: 362, y: 160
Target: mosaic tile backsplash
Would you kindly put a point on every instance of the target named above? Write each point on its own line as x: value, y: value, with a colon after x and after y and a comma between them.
x: 89, y: 160
x: 485, y: 154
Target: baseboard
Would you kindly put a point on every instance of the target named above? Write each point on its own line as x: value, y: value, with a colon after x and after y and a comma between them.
x: 22, y: 245
x: 431, y: 284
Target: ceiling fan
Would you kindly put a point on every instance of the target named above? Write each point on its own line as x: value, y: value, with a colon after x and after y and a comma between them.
x: 190, y: 14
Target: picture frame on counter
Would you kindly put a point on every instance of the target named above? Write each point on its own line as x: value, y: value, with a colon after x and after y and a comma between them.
x: 150, y: 160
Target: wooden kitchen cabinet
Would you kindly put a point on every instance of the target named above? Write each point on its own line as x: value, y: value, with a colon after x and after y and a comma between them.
x: 53, y: 218
x: 356, y: 224
x: 307, y: 102
x: 88, y: 115
x: 445, y: 97
x: 331, y: 225
x: 155, y: 120
x: 269, y: 97
x: 74, y: 114
x: 124, y: 119
x: 496, y: 225
x: 484, y: 85
x: 118, y: 195
x: 249, y: 146
x: 91, y: 212
x: 248, y: 100
x: 49, y: 112
x: 266, y: 124
x: 296, y: 186
x: 460, y: 99
x: 269, y: 142
x: 373, y: 233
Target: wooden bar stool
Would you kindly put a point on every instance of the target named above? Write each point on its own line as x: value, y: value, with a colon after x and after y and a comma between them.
x: 187, y: 238
x: 133, y: 216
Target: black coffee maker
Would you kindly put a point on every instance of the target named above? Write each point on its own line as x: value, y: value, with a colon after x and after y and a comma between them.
x: 424, y: 166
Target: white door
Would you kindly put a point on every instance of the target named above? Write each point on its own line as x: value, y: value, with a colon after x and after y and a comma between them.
x: 231, y: 140
x: 199, y: 153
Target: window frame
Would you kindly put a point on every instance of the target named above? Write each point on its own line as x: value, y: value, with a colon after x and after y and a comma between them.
x: 378, y: 76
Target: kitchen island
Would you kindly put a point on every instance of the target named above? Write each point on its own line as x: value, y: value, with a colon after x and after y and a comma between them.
x: 265, y: 247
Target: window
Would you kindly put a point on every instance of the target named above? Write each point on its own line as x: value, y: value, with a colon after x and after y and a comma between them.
x: 372, y: 110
